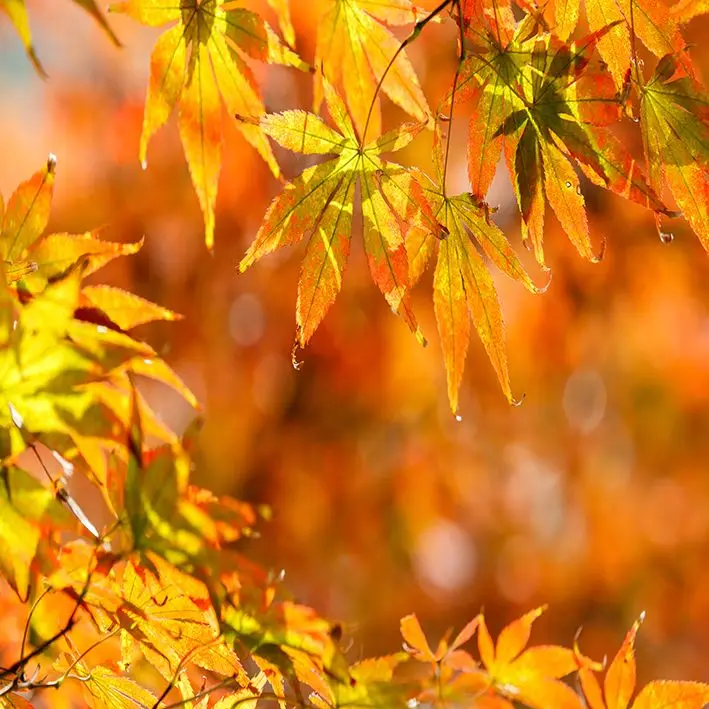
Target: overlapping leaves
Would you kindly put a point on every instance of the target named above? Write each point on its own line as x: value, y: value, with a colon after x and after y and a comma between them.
x: 674, y: 114
x: 548, y: 104
x: 63, y: 350
x: 463, y: 288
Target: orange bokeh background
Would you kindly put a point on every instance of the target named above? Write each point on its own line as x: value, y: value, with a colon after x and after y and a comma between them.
x: 593, y: 496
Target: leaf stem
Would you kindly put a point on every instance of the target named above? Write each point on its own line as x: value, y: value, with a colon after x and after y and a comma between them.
x: 418, y: 27
x: 461, y: 57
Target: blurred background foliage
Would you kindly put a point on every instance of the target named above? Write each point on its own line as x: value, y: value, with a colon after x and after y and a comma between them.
x: 592, y: 496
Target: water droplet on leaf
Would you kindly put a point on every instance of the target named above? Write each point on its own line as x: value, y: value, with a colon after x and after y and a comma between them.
x: 666, y: 237
x: 144, y: 164
x: 458, y: 418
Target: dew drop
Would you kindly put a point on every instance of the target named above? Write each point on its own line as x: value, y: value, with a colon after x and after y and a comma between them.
x: 458, y: 418
x: 51, y: 162
x: 569, y: 185
x: 144, y: 164
x: 578, y: 190
x: 635, y: 119
x: 666, y: 237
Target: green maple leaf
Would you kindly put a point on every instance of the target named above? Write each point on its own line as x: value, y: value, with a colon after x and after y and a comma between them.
x: 320, y: 202
x: 674, y: 112
x: 548, y: 105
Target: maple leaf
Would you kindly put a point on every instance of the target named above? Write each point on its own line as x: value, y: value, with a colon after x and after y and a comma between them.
x: 619, y: 684
x: 417, y: 645
x: 674, y: 112
x: 530, y: 676
x: 46, y: 360
x: 654, y: 23
x: 463, y: 288
x: 16, y: 10
x: 548, y: 106
x: 72, y: 397
x: 36, y: 260
x: 193, y: 63
x: 320, y: 202
x: 104, y: 686
x: 354, y: 49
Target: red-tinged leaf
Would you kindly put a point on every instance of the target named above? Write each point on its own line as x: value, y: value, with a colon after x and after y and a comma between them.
x: 672, y: 695
x: 126, y: 309
x: 415, y: 639
x: 484, y: 144
x: 325, y: 259
x: 354, y: 49
x: 27, y: 213
x: 320, y: 203
x: 620, y: 677
x: 297, y: 210
x: 493, y: 701
x: 563, y: 190
x: 14, y: 701
x: 515, y: 636
x: 384, y: 231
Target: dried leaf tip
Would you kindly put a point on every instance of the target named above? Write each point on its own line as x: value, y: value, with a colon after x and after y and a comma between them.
x: 297, y: 364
